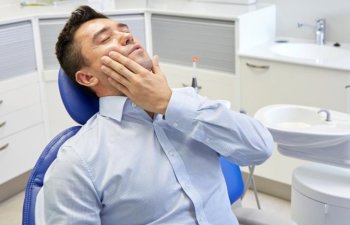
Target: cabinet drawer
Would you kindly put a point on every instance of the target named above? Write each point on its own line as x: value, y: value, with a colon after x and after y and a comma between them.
x: 17, y: 49
x: 19, y: 98
x: 20, y: 120
x: 21, y: 153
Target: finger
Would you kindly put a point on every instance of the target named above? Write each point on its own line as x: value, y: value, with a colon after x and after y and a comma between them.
x: 115, y: 76
x: 119, y: 86
x: 117, y: 67
x: 127, y: 62
x: 155, y: 63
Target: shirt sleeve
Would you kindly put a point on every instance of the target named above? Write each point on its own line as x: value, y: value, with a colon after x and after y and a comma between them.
x: 68, y: 195
x: 236, y: 136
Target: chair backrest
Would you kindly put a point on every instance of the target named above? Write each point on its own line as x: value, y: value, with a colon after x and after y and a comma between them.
x: 80, y: 105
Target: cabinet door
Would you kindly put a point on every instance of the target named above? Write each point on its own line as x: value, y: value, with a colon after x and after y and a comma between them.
x: 19, y: 152
x: 284, y: 83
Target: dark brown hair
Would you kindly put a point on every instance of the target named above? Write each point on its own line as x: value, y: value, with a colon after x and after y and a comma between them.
x: 67, y: 51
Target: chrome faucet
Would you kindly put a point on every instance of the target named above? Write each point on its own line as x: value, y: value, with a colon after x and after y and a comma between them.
x: 327, y: 112
x: 320, y: 30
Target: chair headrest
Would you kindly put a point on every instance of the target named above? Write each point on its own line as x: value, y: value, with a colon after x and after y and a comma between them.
x: 80, y: 103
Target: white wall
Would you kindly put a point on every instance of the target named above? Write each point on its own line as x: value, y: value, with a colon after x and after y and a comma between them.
x: 290, y: 12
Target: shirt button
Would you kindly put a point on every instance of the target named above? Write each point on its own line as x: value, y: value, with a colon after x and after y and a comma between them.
x: 207, y: 140
x: 175, y: 124
x: 171, y: 153
x: 187, y: 185
x: 133, y: 105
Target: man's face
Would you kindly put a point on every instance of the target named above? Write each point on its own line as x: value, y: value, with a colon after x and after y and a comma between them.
x: 100, y: 36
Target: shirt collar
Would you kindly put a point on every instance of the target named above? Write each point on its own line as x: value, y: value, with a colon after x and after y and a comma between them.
x: 112, y: 106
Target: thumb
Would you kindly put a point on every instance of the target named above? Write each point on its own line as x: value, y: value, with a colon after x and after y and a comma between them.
x: 155, y: 64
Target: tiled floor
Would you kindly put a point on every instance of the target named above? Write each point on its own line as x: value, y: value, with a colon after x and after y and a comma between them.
x: 11, y: 210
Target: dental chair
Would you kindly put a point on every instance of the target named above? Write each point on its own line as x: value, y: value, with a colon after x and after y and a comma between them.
x: 81, y: 105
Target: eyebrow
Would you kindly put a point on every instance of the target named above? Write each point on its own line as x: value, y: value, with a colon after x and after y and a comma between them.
x: 122, y: 25
x: 105, y: 29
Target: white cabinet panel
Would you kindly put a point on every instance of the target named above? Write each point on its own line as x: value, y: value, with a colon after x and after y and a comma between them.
x: 17, y: 49
x: 177, y: 39
x: 19, y: 98
x: 21, y: 153
x: 20, y: 119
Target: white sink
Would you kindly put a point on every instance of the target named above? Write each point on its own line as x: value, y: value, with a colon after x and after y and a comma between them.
x: 310, y: 51
x: 303, y: 132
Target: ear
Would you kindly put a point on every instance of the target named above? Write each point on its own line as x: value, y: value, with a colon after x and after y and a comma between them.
x: 86, y: 79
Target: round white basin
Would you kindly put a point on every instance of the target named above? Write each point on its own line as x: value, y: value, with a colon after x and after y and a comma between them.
x: 309, y: 51
x: 303, y: 132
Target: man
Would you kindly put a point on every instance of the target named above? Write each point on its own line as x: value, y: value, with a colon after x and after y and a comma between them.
x: 150, y: 155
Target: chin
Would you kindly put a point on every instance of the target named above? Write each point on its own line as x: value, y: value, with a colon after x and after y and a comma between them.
x: 147, y: 64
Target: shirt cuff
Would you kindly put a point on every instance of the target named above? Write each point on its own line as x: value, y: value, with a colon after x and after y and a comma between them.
x: 182, y: 108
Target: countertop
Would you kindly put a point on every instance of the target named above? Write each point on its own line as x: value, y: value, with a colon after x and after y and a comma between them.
x: 15, y: 12
x: 264, y: 52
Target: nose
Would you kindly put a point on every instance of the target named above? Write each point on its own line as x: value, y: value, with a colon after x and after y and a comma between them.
x: 126, y: 39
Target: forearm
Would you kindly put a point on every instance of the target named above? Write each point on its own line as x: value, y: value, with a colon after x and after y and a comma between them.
x: 235, y: 136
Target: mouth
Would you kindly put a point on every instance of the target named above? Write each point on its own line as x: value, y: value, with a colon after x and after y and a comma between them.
x: 134, y: 48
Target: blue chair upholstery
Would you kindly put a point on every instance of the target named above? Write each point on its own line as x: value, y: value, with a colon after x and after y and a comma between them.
x: 81, y: 104
x: 233, y: 178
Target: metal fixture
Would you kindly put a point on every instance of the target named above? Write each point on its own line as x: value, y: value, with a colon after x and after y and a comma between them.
x: 320, y: 30
x: 328, y: 114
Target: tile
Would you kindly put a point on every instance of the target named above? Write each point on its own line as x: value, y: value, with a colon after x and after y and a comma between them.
x: 11, y: 210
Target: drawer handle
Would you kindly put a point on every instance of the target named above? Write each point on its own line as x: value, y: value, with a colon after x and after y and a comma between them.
x: 4, y: 147
x: 347, y: 86
x: 257, y: 67
x: 2, y: 124
x: 1, y: 101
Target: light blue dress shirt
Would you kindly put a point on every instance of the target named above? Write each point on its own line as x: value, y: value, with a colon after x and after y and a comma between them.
x: 125, y: 168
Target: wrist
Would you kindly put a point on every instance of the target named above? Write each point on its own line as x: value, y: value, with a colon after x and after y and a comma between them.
x: 165, y: 102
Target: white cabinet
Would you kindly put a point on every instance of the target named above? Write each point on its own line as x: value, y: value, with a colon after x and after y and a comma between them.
x: 268, y: 82
x: 176, y: 39
x: 22, y: 133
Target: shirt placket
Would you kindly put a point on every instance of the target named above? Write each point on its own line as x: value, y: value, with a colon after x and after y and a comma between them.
x: 181, y: 174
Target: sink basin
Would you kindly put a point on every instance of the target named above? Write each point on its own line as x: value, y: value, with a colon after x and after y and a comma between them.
x: 310, y: 51
x: 303, y: 132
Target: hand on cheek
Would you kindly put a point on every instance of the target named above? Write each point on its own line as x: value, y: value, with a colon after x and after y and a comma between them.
x: 147, y: 89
